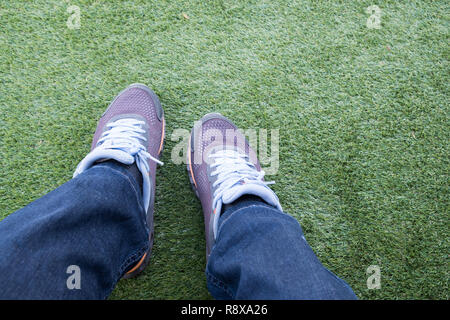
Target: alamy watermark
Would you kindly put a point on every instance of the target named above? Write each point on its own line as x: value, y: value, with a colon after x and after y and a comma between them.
x: 374, y: 20
x: 265, y: 145
x: 74, y: 280
x: 374, y: 279
x: 74, y: 20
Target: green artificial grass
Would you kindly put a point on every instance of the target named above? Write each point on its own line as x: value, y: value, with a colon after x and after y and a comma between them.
x: 362, y: 115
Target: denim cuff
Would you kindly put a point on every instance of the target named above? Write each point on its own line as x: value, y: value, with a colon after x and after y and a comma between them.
x: 239, y: 204
x: 117, y: 166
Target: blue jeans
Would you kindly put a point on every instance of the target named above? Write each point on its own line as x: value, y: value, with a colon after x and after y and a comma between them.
x: 96, y: 222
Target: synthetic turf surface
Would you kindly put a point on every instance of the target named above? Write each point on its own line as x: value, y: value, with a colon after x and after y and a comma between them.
x: 362, y: 115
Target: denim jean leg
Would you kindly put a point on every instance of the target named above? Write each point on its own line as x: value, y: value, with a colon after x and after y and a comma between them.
x: 261, y: 253
x: 94, y: 223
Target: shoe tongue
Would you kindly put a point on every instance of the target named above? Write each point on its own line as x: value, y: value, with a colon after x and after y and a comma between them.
x: 265, y: 193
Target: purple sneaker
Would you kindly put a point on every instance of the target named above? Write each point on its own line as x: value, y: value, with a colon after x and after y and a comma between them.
x: 222, y: 167
x: 131, y: 131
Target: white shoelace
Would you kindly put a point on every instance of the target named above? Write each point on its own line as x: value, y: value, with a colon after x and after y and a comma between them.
x: 123, y: 143
x: 235, y: 173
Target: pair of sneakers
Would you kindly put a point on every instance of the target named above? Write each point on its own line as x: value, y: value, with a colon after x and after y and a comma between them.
x: 222, y: 167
